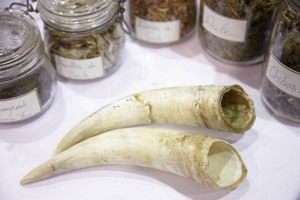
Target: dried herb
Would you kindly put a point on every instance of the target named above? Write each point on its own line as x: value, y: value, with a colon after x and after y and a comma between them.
x: 106, y: 44
x: 164, y: 11
x: 259, y: 15
x: 286, y: 48
x: 280, y: 102
x: 41, y: 80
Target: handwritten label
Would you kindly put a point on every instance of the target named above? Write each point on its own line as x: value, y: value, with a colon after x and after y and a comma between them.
x: 224, y: 27
x: 20, y: 108
x: 282, y: 77
x: 157, y: 32
x: 84, y: 69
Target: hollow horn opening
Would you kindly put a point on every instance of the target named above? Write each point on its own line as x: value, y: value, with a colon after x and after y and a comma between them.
x: 225, y: 166
x: 238, y: 110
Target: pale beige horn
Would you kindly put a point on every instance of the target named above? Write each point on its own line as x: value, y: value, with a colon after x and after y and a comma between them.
x: 225, y: 108
x: 207, y: 160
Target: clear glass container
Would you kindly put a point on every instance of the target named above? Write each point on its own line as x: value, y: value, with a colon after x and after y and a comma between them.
x: 236, y: 31
x: 83, y: 39
x: 280, y: 89
x: 27, y: 77
x: 162, y: 21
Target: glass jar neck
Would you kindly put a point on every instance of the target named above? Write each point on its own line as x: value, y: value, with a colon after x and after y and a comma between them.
x: 295, y: 6
x: 24, y: 58
x: 70, y: 16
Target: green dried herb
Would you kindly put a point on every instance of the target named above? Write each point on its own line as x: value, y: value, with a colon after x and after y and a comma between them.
x: 286, y: 48
x: 259, y: 15
x: 291, y: 51
x: 106, y: 44
x: 165, y: 11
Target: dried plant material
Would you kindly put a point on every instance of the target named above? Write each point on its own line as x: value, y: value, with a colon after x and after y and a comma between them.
x: 285, y: 47
x: 165, y: 11
x: 106, y: 43
x: 40, y: 80
x: 207, y: 160
x: 26, y: 96
x: 226, y: 108
x: 258, y: 16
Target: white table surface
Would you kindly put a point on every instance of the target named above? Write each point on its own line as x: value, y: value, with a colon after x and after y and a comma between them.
x: 270, y: 149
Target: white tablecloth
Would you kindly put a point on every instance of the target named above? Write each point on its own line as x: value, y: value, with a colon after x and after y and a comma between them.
x: 270, y: 149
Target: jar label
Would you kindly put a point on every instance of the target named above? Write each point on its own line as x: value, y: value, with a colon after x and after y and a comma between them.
x: 20, y: 108
x: 80, y: 69
x: 283, y: 78
x: 224, y: 27
x: 157, y: 32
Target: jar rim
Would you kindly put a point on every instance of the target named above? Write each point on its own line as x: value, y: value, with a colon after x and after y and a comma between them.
x: 73, y: 16
x: 17, y: 24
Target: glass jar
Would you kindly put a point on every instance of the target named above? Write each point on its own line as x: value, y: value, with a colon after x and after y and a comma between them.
x: 162, y: 21
x: 280, y: 89
x: 83, y: 39
x: 27, y: 77
x: 236, y: 31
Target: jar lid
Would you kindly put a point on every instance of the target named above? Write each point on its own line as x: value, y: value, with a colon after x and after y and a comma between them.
x: 77, y: 15
x: 18, y: 35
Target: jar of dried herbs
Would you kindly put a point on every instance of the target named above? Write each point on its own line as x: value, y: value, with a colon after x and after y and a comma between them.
x: 280, y: 88
x: 83, y: 38
x: 236, y: 31
x: 162, y: 21
x: 27, y: 77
